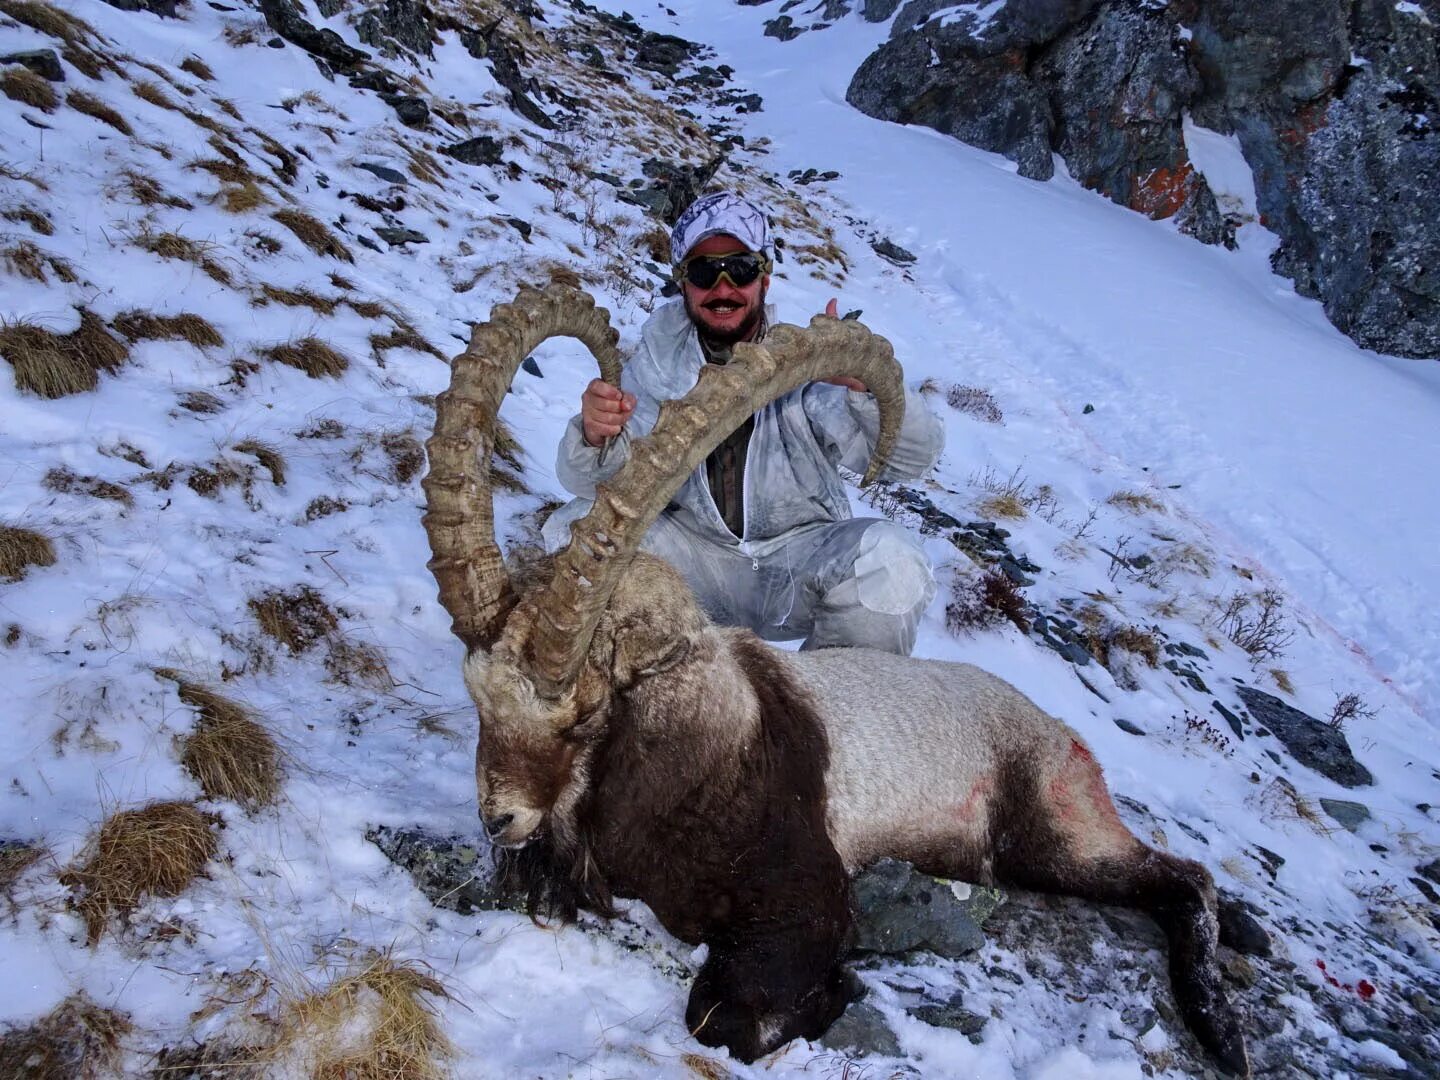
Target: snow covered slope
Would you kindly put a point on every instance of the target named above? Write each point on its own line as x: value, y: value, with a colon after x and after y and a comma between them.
x: 247, y: 515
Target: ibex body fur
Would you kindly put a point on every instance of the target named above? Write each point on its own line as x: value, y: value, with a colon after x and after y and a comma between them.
x: 630, y: 748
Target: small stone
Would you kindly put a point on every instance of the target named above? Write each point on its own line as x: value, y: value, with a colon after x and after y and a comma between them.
x: 521, y: 226
x: 529, y: 365
x: 395, y: 237
x: 1088, y: 409
x: 891, y: 251
x: 384, y: 172
x: 1240, y: 930
x: 42, y: 62
x: 1349, y: 814
x: 412, y: 111
x: 863, y: 1028
x: 275, y: 43
x: 1431, y: 870
x: 783, y: 28
x: 952, y: 1015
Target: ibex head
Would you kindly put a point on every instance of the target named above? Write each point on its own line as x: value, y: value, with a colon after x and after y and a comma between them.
x: 547, y: 658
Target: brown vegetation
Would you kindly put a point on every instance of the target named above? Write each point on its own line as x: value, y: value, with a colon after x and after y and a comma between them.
x: 36, y: 219
x: 148, y: 91
x: 269, y: 458
x: 242, y: 198
x: 23, y: 85
x: 296, y: 619
x: 313, y: 234
x: 310, y: 355
x: 48, y: 20
x: 976, y: 402
x: 1135, y: 502
x: 1349, y: 706
x: 399, y: 1035
x: 21, y: 548
x: 1257, y: 624
x: 229, y: 754
x: 977, y: 603
x: 172, y: 245
x: 357, y: 663
x: 402, y: 337
x: 67, y: 482
x: 407, y: 456
x: 193, y: 65
x: 148, y: 193
x: 55, y: 365
x: 302, y: 297
x: 157, y: 850
x: 76, y: 1040
x: 15, y: 859
x: 91, y: 105
x: 138, y: 325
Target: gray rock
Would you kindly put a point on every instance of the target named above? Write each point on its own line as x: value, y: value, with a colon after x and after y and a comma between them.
x: 1239, y: 929
x: 395, y: 237
x: 1349, y: 814
x: 784, y: 28
x: 449, y: 870
x: 888, y: 249
x: 398, y: 26
x: 1431, y: 870
x: 481, y: 150
x: 384, y: 172
x: 664, y: 53
x: 42, y: 62
x: 901, y: 910
x: 952, y: 1014
x: 1314, y: 744
x: 1127, y: 726
x: 878, y: 10
x: 862, y: 1028
x: 412, y: 111
x: 285, y: 19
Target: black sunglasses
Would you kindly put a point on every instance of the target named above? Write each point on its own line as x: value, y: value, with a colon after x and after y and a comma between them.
x: 705, y: 271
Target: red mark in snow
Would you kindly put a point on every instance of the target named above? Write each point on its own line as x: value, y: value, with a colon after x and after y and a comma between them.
x: 1365, y: 988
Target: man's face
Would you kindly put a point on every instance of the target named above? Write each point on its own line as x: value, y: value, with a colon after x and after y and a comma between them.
x: 725, y: 313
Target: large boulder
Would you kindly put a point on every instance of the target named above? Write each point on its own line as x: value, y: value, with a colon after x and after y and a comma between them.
x: 1335, y: 103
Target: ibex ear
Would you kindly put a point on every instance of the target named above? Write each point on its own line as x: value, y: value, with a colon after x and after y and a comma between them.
x: 639, y: 656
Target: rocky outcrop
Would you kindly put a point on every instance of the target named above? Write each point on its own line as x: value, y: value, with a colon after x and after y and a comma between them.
x: 1334, y: 103
x: 1314, y: 744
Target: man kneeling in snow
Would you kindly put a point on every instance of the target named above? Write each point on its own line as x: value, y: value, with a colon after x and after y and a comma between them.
x: 762, y: 530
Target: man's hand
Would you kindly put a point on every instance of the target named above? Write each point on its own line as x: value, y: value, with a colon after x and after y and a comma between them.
x: 604, y: 410
x: 832, y: 311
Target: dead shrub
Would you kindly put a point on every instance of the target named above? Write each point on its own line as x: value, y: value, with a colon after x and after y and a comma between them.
x: 136, y: 325
x: 975, y: 401
x: 323, y: 506
x: 48, y: 20
x: 296, y: 619
x: 269, y: 458
x: 310, y: 355
x: 148, y: 91
x: 228, y: 753
x: 77, y: 1040
x: 1257, y: 624
x: 21, y: 548
x: 313, y: 234
x: 321, y: 305
x: 91, y: 105
x: 56, y: 365
x: 157, y: 850
x: 19, y: 83
x: 373, y: 1024
x: 36, y: 219
x: 193, y: 65
x: 1349, y: 706
x: 977, y: 603
x: 66, y: 482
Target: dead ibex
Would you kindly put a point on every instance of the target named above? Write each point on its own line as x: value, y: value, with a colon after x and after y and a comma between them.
x: 630, y: 748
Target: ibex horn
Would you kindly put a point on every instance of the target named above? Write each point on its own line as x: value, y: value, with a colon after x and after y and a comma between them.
x: 685, y: 433
x: 474, y: 584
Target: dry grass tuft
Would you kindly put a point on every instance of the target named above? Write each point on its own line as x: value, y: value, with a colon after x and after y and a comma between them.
x: 193, y: 65
x: 14, y: 174
x: 26, y: 260
x: 228, y: 172
x: 15, y: 858
x: 407, y: 456
x: 1282, y: 680
x: 358, y: 663
x: 55, y: 365
x: 705, y: 1068
x: 91, y: 105
x: 401, y: 337
x: 1135, y: 502
x: 321, y: 305
x: 48, y: 20
x: 1142, y: 643
x: 23, y: 85
x: 201, y: 402
x: 20, y: 548
x: 67, y: 482
x: 270, y: 459
x: 323, y: 506
x: 228, y: 108
x: 77, y: 1040
x: 36, y: 219
x: 373, y: 1024
x: 148, y: 91
x: 340, y: 281
x: 143, y: 326
x: 242, y: 198
x: 313, y: 234
x: 310, y: 355
x: 1001, y: 505
x: 655, y: 242
x: 230, y: 755
x: 297, y: 619
x: 148, y: 193
x: 172, y: 245
x: 157, y: 850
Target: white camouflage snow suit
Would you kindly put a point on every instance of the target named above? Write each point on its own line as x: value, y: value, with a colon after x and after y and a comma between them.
x: 804, y: 567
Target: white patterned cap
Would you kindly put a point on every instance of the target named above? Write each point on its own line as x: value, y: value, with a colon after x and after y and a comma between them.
x: 721, y: 214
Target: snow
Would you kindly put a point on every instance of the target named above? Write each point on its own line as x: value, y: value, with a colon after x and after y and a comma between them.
x: 1270, y: 443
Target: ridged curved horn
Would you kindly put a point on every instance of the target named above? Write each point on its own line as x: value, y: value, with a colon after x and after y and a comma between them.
x: 474, y: 585
x: 685, y: 433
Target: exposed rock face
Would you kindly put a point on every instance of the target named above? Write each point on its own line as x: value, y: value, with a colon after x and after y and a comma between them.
x: 1314, y: 744
x: 1334, y: 103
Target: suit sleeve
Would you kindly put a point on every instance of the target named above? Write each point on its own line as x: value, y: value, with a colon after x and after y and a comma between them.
x: 847, y: 423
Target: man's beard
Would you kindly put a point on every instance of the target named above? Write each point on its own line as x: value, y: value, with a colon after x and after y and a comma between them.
x: 744, y: 332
